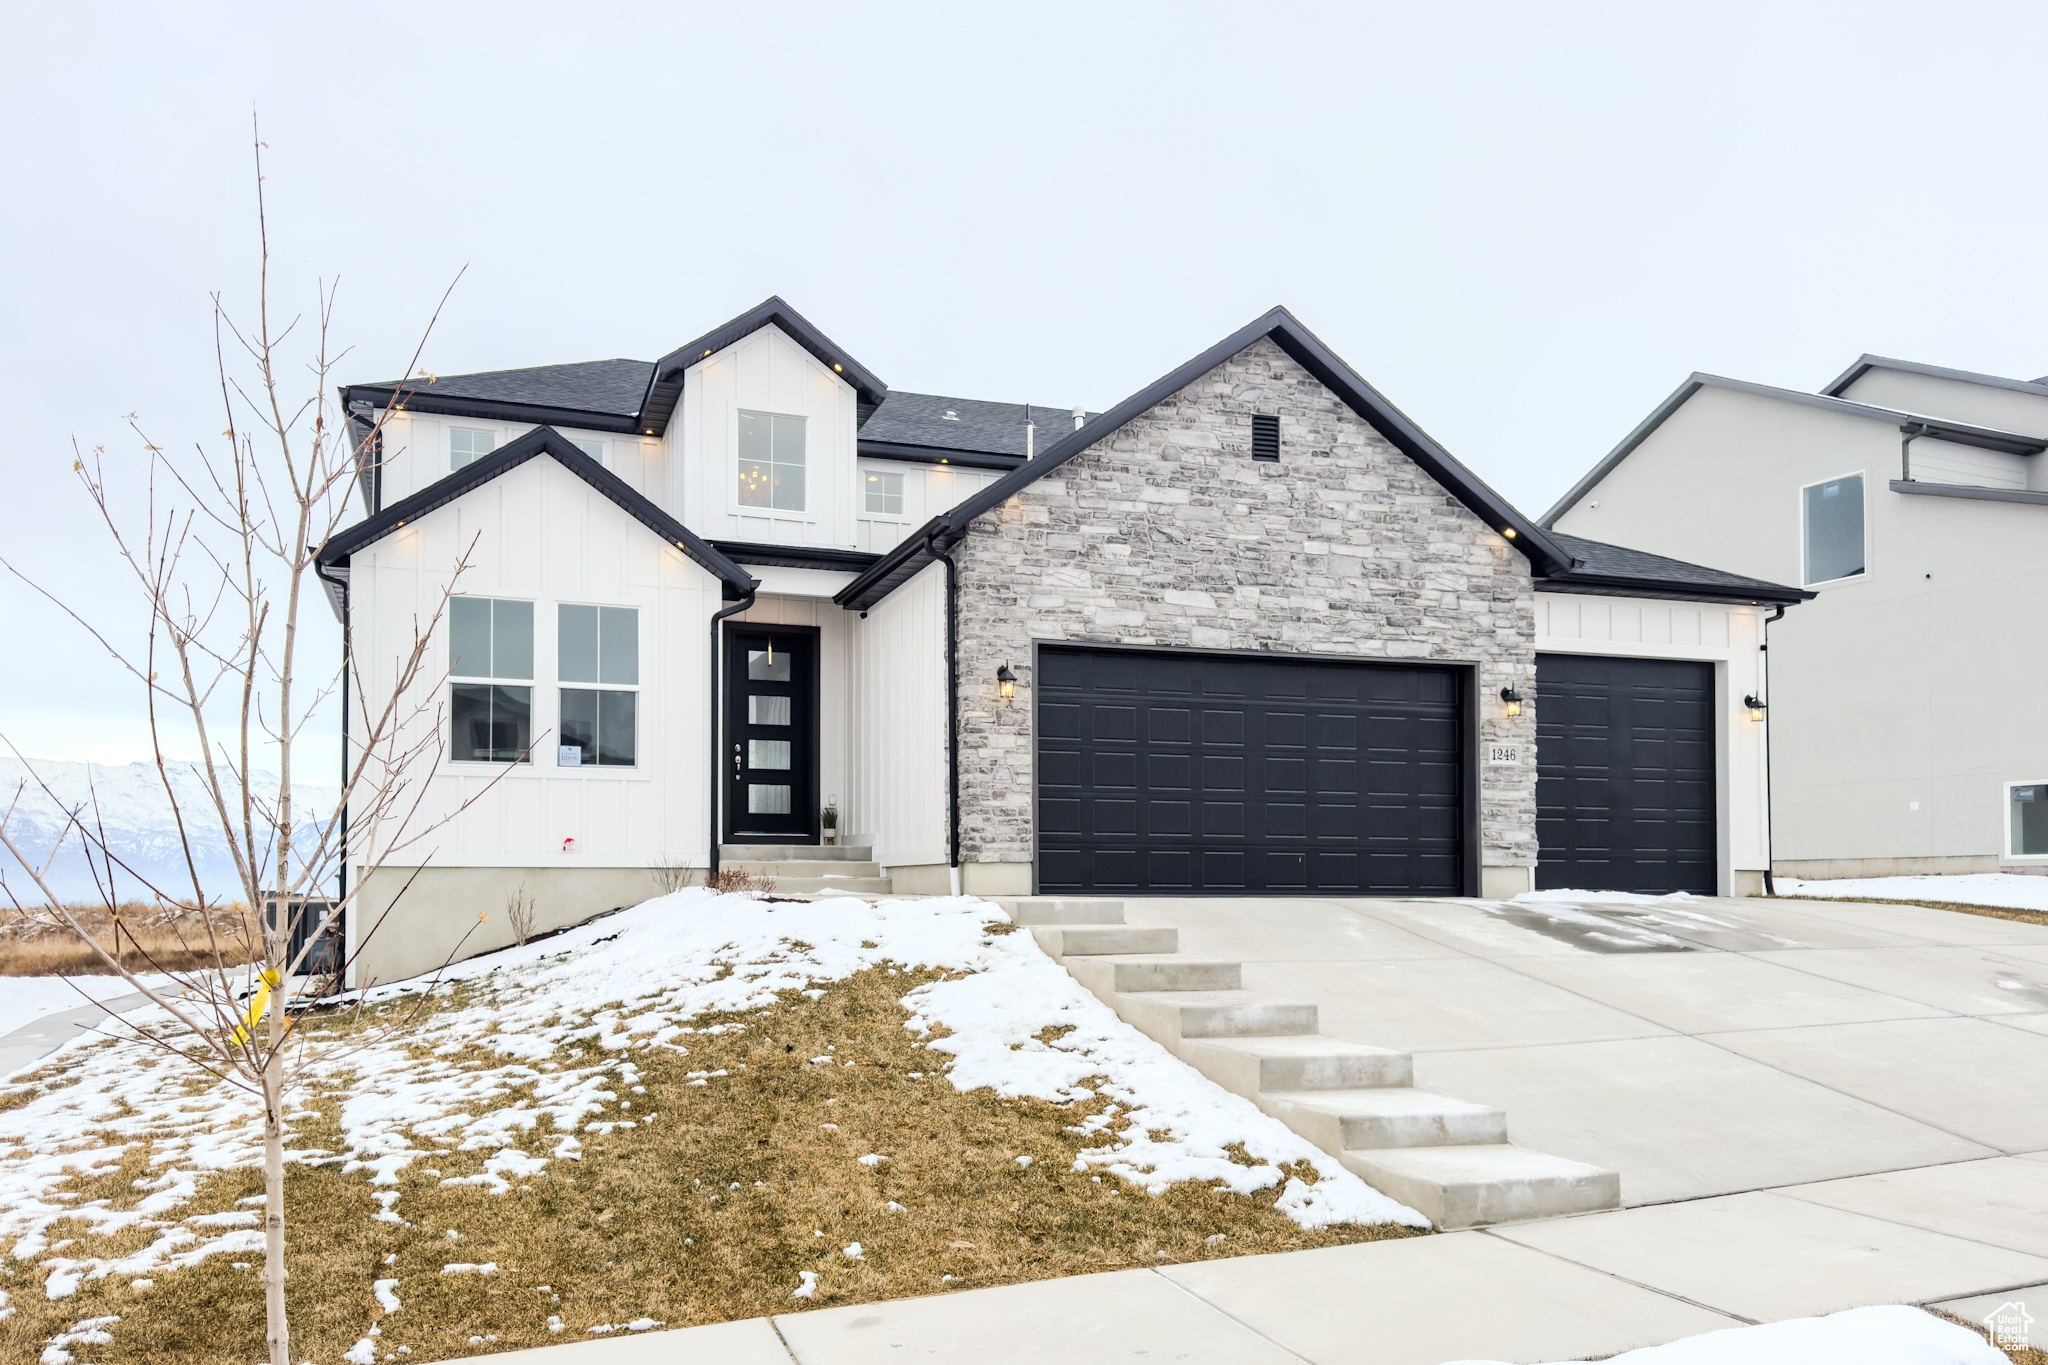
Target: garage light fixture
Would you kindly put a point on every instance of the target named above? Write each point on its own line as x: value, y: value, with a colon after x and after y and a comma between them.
x: 1006, y: 682
x: 1756, y: 707
x: 1512, y: 700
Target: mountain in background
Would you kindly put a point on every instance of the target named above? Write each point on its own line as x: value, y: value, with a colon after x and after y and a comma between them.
x: 137, y: 819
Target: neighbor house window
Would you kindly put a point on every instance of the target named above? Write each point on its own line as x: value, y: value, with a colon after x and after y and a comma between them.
x: 467, y: 445
x: 1833, y: 519
x: 490, y: 638
x: 885, y: 494
x: 594, y: 449
x: 599, y: 646
x: 772, y: 461
x: 2027, y: 804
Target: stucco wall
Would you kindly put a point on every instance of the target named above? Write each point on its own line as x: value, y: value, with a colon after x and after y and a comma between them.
x: 1168, y: 533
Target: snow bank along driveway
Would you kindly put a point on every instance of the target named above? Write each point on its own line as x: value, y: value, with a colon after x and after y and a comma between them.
x: 2002, y: 890
x: 560, y: 1023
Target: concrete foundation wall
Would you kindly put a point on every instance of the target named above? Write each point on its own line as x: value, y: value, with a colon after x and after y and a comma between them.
x: 1822, y: 869
x: 427, y: 926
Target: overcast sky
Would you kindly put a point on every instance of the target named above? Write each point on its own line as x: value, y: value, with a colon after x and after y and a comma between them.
x: 1525, y: 224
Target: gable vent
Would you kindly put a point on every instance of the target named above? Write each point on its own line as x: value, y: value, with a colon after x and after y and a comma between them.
x: 1265, y: 437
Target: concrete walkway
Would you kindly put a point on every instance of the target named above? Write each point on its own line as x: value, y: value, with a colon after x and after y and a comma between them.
x: 1813, y: 1106
x: 51, y: 1031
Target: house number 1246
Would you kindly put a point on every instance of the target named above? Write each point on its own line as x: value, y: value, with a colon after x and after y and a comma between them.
x: 1503, y: 753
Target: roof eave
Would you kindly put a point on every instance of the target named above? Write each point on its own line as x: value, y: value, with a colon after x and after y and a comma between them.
x: 487, y: 409
x: 1628, y: 585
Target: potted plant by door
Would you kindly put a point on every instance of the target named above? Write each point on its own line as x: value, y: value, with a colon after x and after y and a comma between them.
x: 830, y: 819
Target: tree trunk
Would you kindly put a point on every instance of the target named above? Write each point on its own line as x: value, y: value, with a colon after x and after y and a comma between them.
x: 278, y: 1331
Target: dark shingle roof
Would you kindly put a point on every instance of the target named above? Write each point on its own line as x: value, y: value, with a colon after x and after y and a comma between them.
x: 920, y: 419
x: 1601, y: 564
x: 610, y: 386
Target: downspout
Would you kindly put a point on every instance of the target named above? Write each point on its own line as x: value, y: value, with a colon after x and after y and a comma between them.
x: 1907, y: 435
x: 931, y: 547
x: 717, y: 738
x: 1770, y: 806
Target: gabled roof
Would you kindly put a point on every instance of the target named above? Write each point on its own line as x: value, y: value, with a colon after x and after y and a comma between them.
x: 1912, y: 423
x: 1284, y: 330
x: 1866, y: 363
x: 929, y: 427
x: 666, y: 385
x: 539, y: 441
x: 1601, y: 568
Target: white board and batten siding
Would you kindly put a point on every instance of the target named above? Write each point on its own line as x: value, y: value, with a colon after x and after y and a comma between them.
x: 899, y: 725
x: 1726, y: 636
x: 764, y: 372
x: 541, y: 534
x: 417, y: 452
x: 927, y: 491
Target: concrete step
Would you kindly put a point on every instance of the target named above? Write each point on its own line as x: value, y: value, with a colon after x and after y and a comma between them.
x: 1040, y: 911
x: 1170, y: 1016
x: 1468, y: 1186
x: 771, y: 853
x: 1391, y: 1116
x: 805, y: 867
x: 872, y: 886
x: 1088, y: 940
x: 1316, y: 1061
x: 1107, y: 976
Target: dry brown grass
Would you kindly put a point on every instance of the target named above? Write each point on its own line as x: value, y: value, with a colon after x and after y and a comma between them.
x: 740, y: 882
x: 2025, y: 1355
x: 1989, y: 911
x: 706, y: 1211
x: 147, y: 938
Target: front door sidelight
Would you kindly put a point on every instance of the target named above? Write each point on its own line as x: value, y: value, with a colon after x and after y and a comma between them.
x: 771, y: 720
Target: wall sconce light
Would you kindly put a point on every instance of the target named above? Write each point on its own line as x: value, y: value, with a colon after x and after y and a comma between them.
x: 1756, y: 708
x: 1006, y: 683
x: 1512, y: 700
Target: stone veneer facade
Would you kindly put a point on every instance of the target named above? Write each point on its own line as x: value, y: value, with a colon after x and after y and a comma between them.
x: 1167, y: 533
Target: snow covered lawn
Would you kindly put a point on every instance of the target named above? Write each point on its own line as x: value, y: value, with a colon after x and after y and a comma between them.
x: 698, y: 1109
x: 25, y: 999
x: 2003, y: 890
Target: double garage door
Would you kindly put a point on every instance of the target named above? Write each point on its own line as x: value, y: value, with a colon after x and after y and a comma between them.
x: 1183, y: 773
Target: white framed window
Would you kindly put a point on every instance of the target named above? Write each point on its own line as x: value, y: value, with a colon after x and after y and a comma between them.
x: 2026, y: 820
x: 467, y: 445
x: 884, y: 493
x: 490, y: 642
x: 771, y: 461
x: 599, y: 649
x: 1833, y: 530
x: 596, y: 450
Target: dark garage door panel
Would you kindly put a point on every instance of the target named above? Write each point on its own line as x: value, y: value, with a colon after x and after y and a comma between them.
x: 1194, y: 773
x: 1625, y: 796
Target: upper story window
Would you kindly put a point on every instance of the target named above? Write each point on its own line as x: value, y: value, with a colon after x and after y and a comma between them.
x: 598, y: 646
x: 594, y: 449
x: 1832, y: 526
x: 491, y: 722
x: 771, y: 461
x: 885, y: 494
x: 467, y: 445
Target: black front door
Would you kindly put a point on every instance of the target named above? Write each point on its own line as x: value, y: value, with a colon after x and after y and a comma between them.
x: 771, y: 735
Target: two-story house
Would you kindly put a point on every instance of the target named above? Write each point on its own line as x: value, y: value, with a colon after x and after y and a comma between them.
x: 1913, y: 500
x: 1249, y: 632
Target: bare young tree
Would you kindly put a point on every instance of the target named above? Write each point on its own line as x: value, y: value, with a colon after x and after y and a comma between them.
x: 222, y: 548
x: 519, y: 913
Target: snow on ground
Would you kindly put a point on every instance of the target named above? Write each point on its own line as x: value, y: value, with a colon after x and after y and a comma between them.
x: 2006, y: 890
x: 25, y: 999
x: 1888, y: 1335
x: 558, y: 1023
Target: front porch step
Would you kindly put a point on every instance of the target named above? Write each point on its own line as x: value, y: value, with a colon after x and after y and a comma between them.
x: 1091, y: 940
x: 1107, y: 976
x: 1393, y: 1116
x: 1316, y: 1061
x: 782, y: 853
x: 866, y: 886
x: 1448, y: 1158
x: 1472, y: 1185
x: 805, y: 867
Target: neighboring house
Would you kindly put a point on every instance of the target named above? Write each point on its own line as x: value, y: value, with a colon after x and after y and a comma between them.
x: 1905, y: 735
x: 1250, y: 632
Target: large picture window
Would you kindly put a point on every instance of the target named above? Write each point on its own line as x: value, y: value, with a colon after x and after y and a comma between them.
x: 599, y: 646
x: 771, y: 461
x: 1833, y: 529
x: 2026, y: 805
x: 490, y: 638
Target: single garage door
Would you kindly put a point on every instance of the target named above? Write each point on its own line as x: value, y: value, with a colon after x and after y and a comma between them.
x: 1624, y: 774
x: 1210, y: 774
